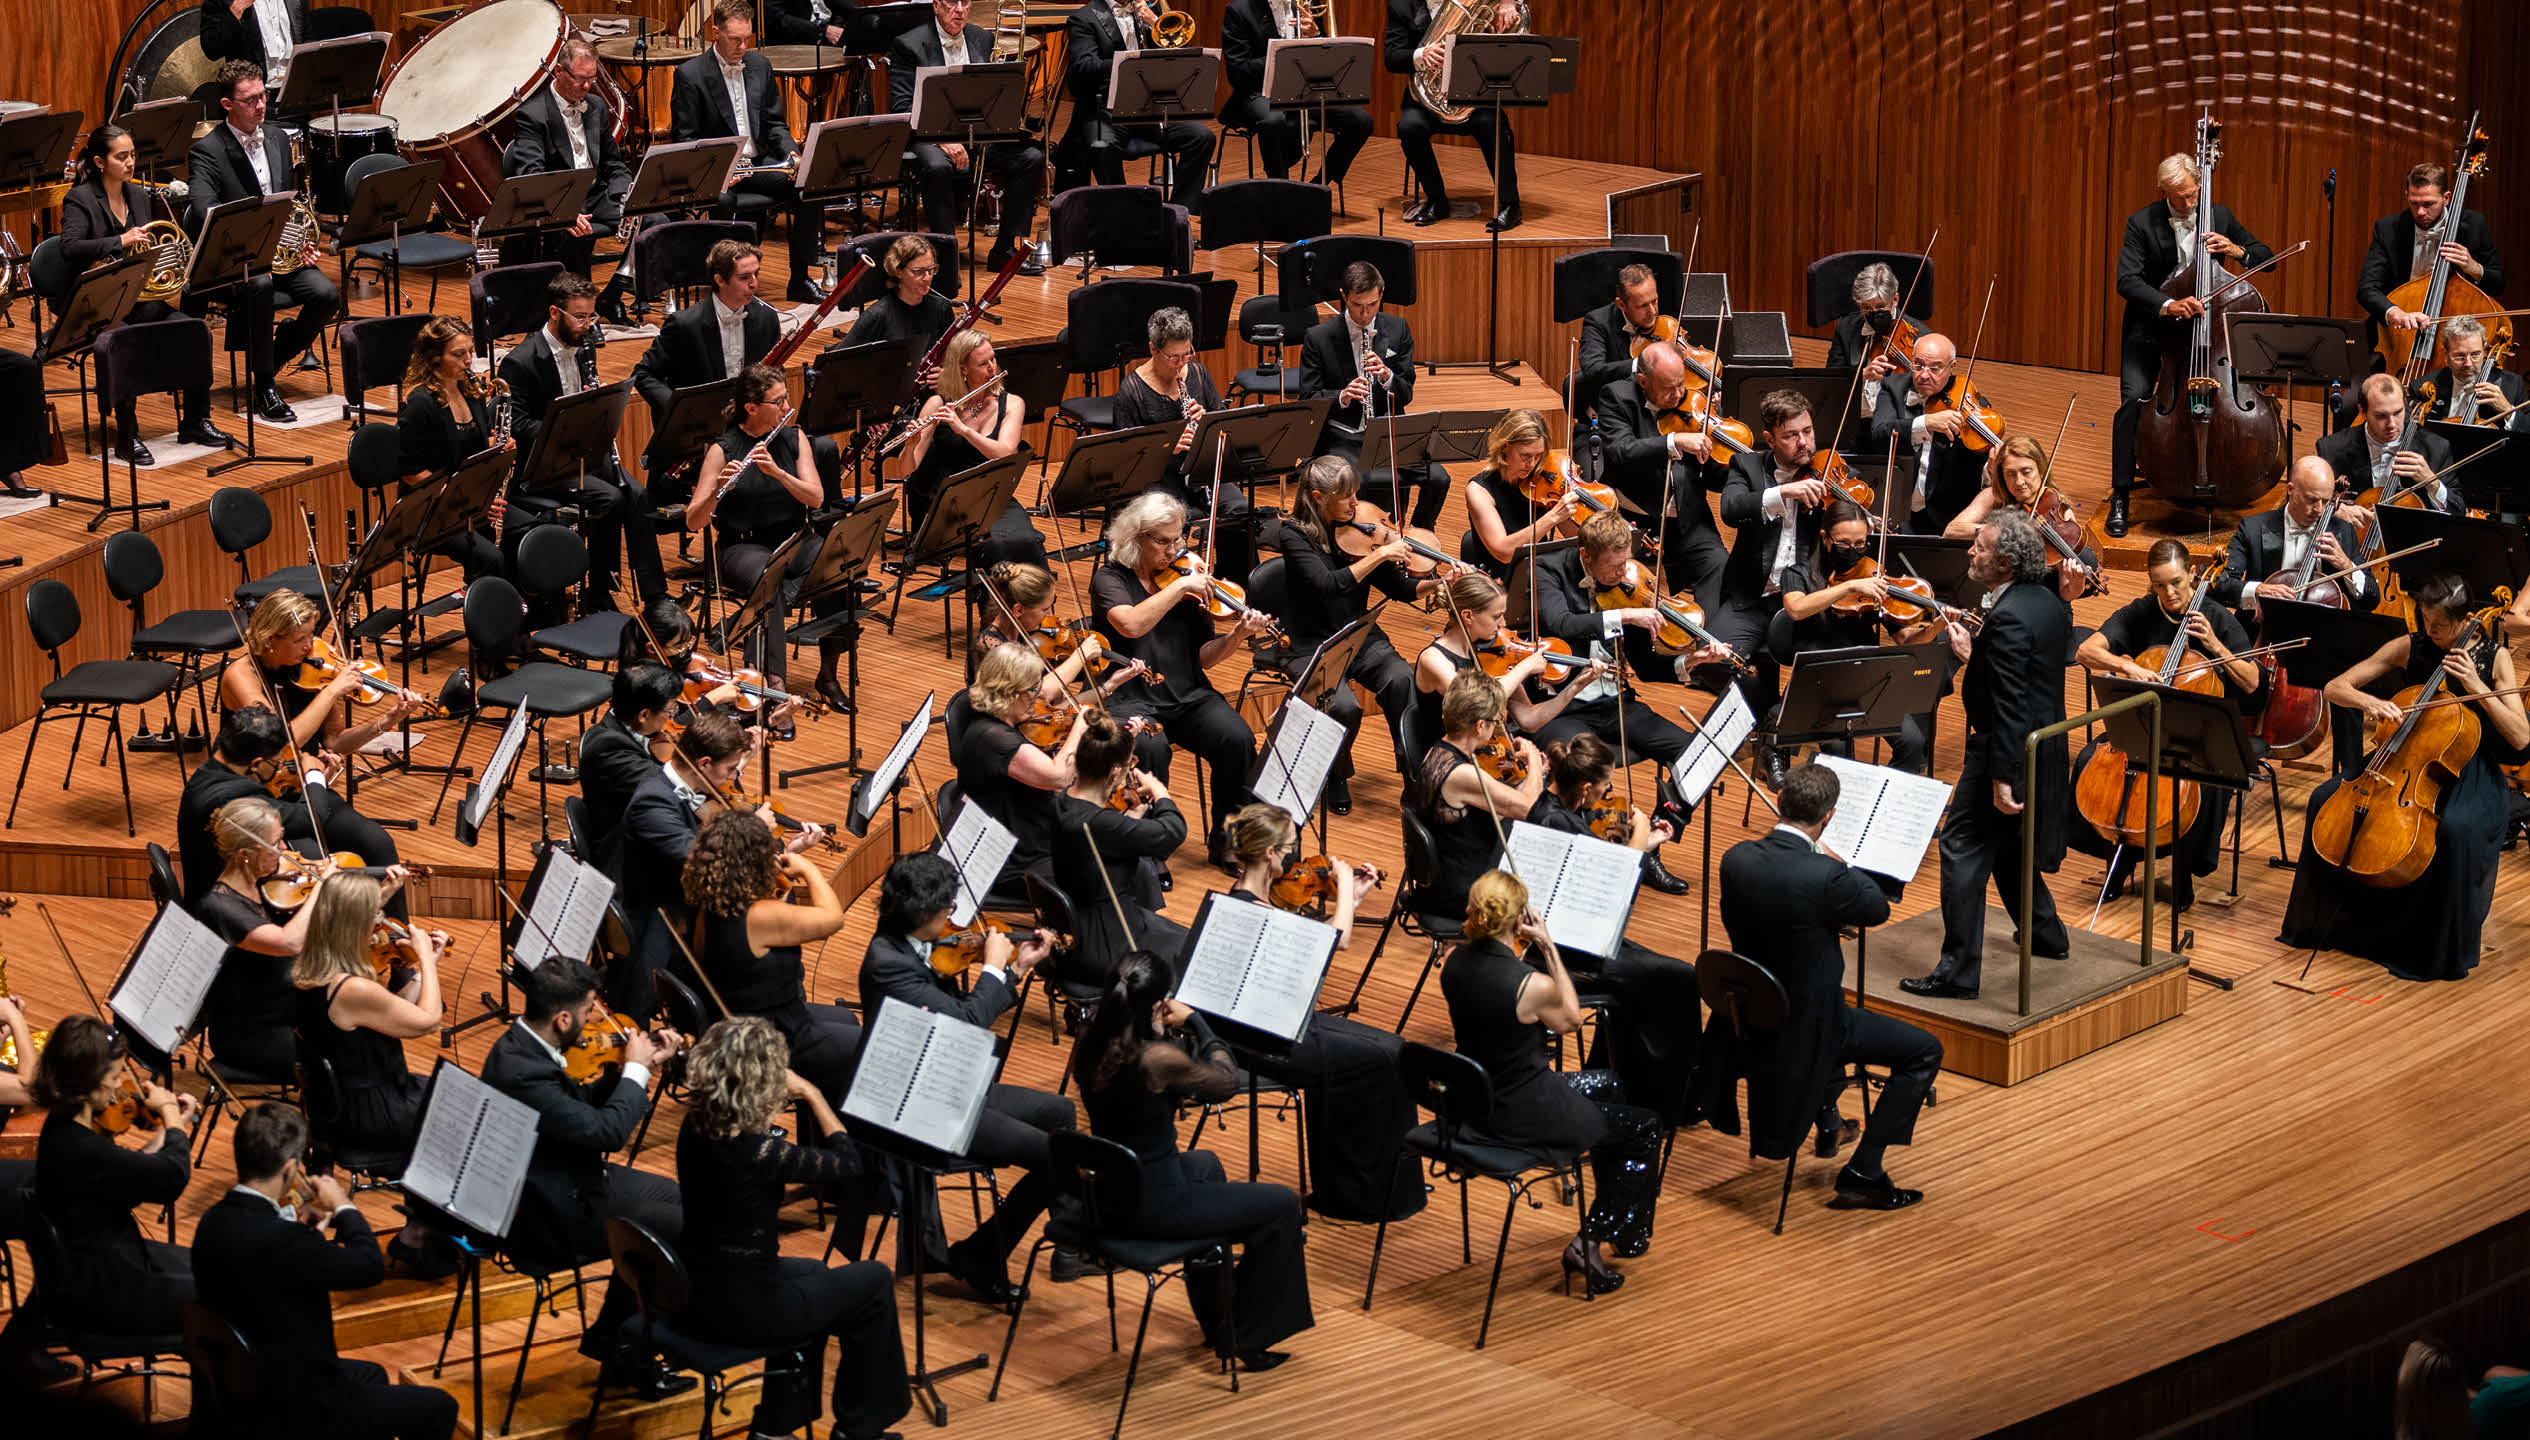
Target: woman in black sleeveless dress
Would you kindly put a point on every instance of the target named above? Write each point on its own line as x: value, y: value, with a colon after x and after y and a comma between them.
x: 1474, y: 613
x: 971, y: 419
x: 758, y: 905
x: 1467, y: 810
x: 252, y: 1006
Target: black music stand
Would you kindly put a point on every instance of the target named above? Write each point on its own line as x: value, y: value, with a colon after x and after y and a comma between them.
x: 961, y: 517
x: 1157, y: 86
x: 2298, y: 350
x: 1264, y: 441
x: 385, y: 204
x: 576, y: 438
x: 330, y: 74
x: 2204, y: 738
x: 1315, y: 74
x: 161, y: 131
x: 863, y: 808
x: 1938, y: 561
x: 851, y: 544
x: 98, y: 301
x: 2486, y: 554
x: 2495, y: 478
x: 1102, y: 472
x: 761, y: 601
x: 685, y: 175
x: 35, y: 147
x: 1502, y: 71
x: 973, y: 105
x: 850, y: 384
x: 852, y: 155
x: 695, y: 417
x: 1316, y: 683
x: 1859, y: 693
x: 532, y: 204
x: 236, y: 243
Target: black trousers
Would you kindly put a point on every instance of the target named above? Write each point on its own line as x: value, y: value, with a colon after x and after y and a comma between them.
x: 807, y: 1303
x: 1266, y: 1298
x: 650, y: 1201
x: 1390, y: 680
x: 576, y: 252
x: 1646, y: 733
x: 251, y: 326
x: 1415, y: 128
x: 192, y: 403
x: 808, y: 221
x: 1187, y: 143
x: 1012, y: 1131
x: 1278, y: 134
x: 1740, y: 622
x: 742, y: 562
x: 1910, y: 749
x: 368, y: 1405
x: 1210, y: 729
x: 945, y: 187
x: 1980, y: 843
x: 2138, y: 369
x: 1912, y: 1057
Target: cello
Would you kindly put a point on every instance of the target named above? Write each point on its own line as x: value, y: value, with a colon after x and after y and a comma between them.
x: 2439, y: 295
x: 2207, y: 439
x: 2109, y: 791
x: 2381, y: 826
x: 2297, y: 715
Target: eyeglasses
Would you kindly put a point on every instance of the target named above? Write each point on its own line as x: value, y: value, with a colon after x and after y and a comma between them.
x: 922, y: 272
x: 1176, y: 357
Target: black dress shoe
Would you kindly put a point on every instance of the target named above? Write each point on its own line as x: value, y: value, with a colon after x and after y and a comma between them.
x: 274, y: 409
x: 646, y: 1379
x: 15, y: 487
x: 129, y: 449
x: 2115, y: 525
x: 805, y: 293
x: 1506, y: 218
x: 1934, y: 988
x: 986, y: 1277
x: 1875, y: 1192
x: 1430, y: 212
x: 1339, y: 797
x: 1831, y: 1138
x: 1657, y: 875
x: 1257, y: 1362
x: 1001, y: 254
x: 203, y: 432
x: 832, y: 694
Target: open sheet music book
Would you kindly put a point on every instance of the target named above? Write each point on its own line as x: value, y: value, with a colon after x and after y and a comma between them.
x: 1256, y: 968
x: 1580, y: 885
x: 1884, y: 818
x: 922, y: 1075
x: 566, y: 902
x: 496, y: 775
x: 979, y: 846
x: 1305, y: 742
x: 471, y: 1157
x: 908, y: 740
x: 162, y: 989
x: 1725, y: 729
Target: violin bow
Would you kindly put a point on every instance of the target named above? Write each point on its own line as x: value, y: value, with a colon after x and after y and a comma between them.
x: 1112, y: 897
x: 1967, y: 379
x: 131, y: 1066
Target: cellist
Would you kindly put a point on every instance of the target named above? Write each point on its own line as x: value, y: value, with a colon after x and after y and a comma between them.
x: 2404, y: 246
x: 2471, y: 389
x: 2430, y: 928
x: 2370, y: 456
x: 2273, y: 542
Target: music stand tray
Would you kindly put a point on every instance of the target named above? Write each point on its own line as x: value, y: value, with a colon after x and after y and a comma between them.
x: 333, y: 74
x: 574, y: 440
x: 547, y: 200
x: 2496, y: 482
x: 1860, y: 692
x: 161, y: 131
x: 1104, y: 471
x: 1320, y: 71
x: 35, y: 146
x: 695, y: 418
x: 962, y: 515
x: 1263, y: 440
x: 2298, y: 349
x: 851, y: 154
x: 760, y: 601
x: 683, y: 175
x: 1157, y: 86
x: 389, y: 202
x: 2203, y: 737
x: 1318, y: 680
x: 466, y: 500
x: 1941, y: 562
x: 2486, y: 554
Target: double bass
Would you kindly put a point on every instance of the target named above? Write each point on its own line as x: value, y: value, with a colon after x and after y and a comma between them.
x: 2207, y: 439
x: 2109, y: 792
x: 2438, y: 294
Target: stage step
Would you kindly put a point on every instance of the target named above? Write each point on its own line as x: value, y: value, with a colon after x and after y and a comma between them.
x: 2151, y: 519
x: 554, y: 1399
x: 404, y: 1308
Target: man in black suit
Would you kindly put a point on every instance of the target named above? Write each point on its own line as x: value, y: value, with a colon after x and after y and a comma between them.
x: 260, y: 31
x: 572, y: 1189
x: 1785, y: 902
x: 2470, y: 388
x: 1772, y: 504
x: 1409, y: 21
x: 1093, y: 35
x: 2369, y: 457
x: 2272, y: 542
x: 550, y: 366
x: 728, y: 90
x: 661, y: 820
x: 1018, y: 164
x: 2014, y: 684
x: 1331, y: 363
x: 250, y: 749
x: 567, y: 126
x: 1665, y: 474
x: 2404, y: 246
x: 239, y: 159
x: 1947, y: 473
x: 804, y: 22
x: 2160, y: 242
x: 615, y: 755
x: 715, y: 337
x: 261, y: 1263
x: 1609, y: 332
x: 1247, y: 28
x: 914, y: 903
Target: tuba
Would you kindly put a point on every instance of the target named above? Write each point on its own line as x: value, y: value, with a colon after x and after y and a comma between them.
x: 1459, y: 17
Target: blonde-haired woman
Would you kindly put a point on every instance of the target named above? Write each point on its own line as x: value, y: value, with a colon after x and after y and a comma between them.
x: 1504, y: 1012
x: 281, y: 633
x: 1474, y: 612
x: 440, y: 427
x: 1505, y: 521
x: 733, y: 1168
x: 1008, y: 776
x: 971, y: 419
x: 1467, y: 808
x: 252, y: 1003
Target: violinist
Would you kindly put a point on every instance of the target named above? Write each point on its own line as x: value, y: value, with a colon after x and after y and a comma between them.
x: 1814, y: 601
x: 251, y: 756
x: 660, y: 823
x: 1132, y: 827
x: 760, y: 481
x: 2431, y: 928
x: 2470, y: 389
x: 1162, y: 622
x: 1009, y: 777
x: 1947, y: 472
x: 971, y: 419
x: 1467, y: 809
x: 1665, y: 474
x: 915, y: 900
x: 1328, y: 586
x: 667, y: 634
x: 2405, y: 245
x: 1535, y: 691
x: 2370, y: 456
x: 1773, y: 501
x: 1612, y: 334
x: 448, y: 417
x: 757, y: 905
x: 282, y: 666
x: 249, y: 1010
x: 2017, y: 479
x: 621, y: 750
x: 2160, y: 242
x: 1028, y: 593
x: 1514, y: 449
x: 15, y: 1173
x: 2152, y: 620
x: 1856, y: 345
x: 2273, y: 542
x: 572, y: 1190
x: 1366, y: 359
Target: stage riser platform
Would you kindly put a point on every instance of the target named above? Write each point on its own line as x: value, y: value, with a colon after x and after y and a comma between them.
x: 554, y: 1400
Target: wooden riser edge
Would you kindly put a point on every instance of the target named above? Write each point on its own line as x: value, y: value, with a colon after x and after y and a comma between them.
x: 1999, y: 1058
x: 420, y: 1312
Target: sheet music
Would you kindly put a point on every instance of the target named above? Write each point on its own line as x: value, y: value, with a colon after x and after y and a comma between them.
x: 162, y: 989
x: 471, y: 1156
x: 1305, y: 744
x: 496, y: 775
x: 1580, y: 885
x: 883, y: 779
x: 979, y: 846
x: 922, y: 1075
x: 1885, y: 819
x: 563, y: 914
x: 1256, y: 965
x: 1725, y: 729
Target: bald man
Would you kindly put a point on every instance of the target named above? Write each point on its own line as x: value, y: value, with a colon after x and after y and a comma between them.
x: 1948, y: 473
x: 2273, y: 542
x: 1666, y: 474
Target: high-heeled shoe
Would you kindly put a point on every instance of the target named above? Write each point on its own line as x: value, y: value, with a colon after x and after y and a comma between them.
x: 1582, y: 1258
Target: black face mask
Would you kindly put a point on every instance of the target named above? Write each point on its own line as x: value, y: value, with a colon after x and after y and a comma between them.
x: 1840, y: 558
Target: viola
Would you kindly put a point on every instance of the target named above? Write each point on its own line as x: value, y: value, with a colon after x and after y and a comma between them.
x: 702, y: 678
x: 2062, y: 530
x: 735, y: 797
x: 1368, y: 535
x: 1694, y: 415
x: 290, y: 891
x: 1831, y: 467
x: 2382, y: 826
x: 1703, y: 368
x: 1222, y: 599
x: 599, y: 1048
x: 1898, y: 346
x: 1498, y: 656
x: 322, y: 664
x: 954, y: 951
x: 1310, y: 885
x: 1984, y: 427
x: 1046, y: 723
x: 1681, y: 621
x: 386, y: 937
x: 1127, y: 792
x: 127, y: 1110
x: 1608, y: 816
x: 2109, y: 790
x: 1056, y: 641
x: 1502, y: 760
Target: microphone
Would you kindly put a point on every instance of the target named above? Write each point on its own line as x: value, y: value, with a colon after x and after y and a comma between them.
x: 2328, y: 187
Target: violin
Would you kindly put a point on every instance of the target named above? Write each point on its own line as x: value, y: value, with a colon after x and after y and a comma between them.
x: 954, y: 951
x: 1128, y: 792
x: 1831, y: 467
x: 599, y: 1048
x: 1681, y: 627
x: 1557, y: 474
x: 1608, y: 816
x: 128, y: 1110
x: 1502, y: 760
x: 1310, y: 885
x: 1222, y: 599
x: 702, y: 678
x: 289, y: 892
x: 1047, y: 722
x: 1984, y: 427
x: 1694, y: 415
x: 1056, y: 641
x: 385, y: 938
x: 2057, y: 525
x: 1373, y: 533
x: 1910, y: 600
x: 2382, y: 825
x: 1498, y: 656
x: 2109, y: 789
x: 736, y: 798
x: 322, y: 664
x: 1702, y: 366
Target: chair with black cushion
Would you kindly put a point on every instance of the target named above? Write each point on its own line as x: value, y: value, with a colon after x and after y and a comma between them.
x: 240, y: 521
x: 89, y: 690
x: 495, y: 623
x: 1586, y: 279
x: 376, y: 351
x: 375, y: 458
x: 668, y: 259
x: 1439, y: 932
x: 508, y: 300
x: 1828, y: 284
x: 1311, y: 272
x: 428, y: 250
x: 1459, y: 1094
x: 1117, y: 225
x: 1103, y: 1180
x: 368, y: 1167
x: 133, y: 568
x: 1270, y: 327
x: 546, y: 1274
x: 874, y: 246
x: 1063, y: 994
x: 684, y: 1013
x: 228, y: 1383
x: 1105, y: 327
x: 161, y: 357
x: 1271, y: 666
x: 1747, y: 997
x: 552, y: 559
x: 661, y: 1291
x: 101, y: 1353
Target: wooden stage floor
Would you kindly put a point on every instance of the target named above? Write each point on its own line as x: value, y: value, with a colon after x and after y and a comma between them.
x: 2275, y: 1146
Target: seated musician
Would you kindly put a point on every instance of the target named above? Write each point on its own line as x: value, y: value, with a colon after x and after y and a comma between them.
x: 2017, y: 478
x: 567, y: 126
x: 249, y: 751
x: 730, y: 91
x: 2470, y: 388
x: 1860, y: 330
x: 1514, y: 449
x: 1365, y: 358
x: 1786, y: 899
x: 251, y: 1004
x: 757, y: 485
x: 1812, y: 595
x: 944, y: 172
x: 1009, y: 777
x: 715, y: 337
x: 1468, y: 807
x: 1947, y: 472
x: 556, y: 362
x: 914, y: 903
x: 661, y: 818
x: 262, y: 32
x: 1161, y: 620
x: 448, y: 418
x: 668, y: 635
x: 1021, y: 609
x: 2432, y: 927
x: 1614, y: 334
x: 241, y: 158
x: 1248, y: 27
x: 805, y: 22
x: 1092, y: 36
x: 623, y: 749
x: 910, y: 312
x: 1109, y: 859
x: 2151, y: 621
x: 2368, y: 457
x: 2405, y: 245
x: 758, y: 905
x: 16, y: 1172
x: 279, y: 676
x: 87, y: 1183
x: 1666, y: 474
x: 1405, y: 53
x: 1172, y: 385
x: 971, y: 418
x: 2271, y: 545
x: 1534, y: 687
x: 25, y: 428
x: 1773, y: 501
x: 1330, y: 570
x: 103, y: 216
x: 261, y: 1264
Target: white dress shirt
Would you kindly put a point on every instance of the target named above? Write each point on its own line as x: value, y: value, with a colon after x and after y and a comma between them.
x: 566, y: 361
x: 1126, y: 30
x: 735, y: 81
x: 1919, y: 437
x: 2183, y: 230
x: 733, y: 338
x: 575, y: 129
x: 252, y: 142
x: 2297, y: 543
x: 273, y: 18
x: 1788, y: 536
x: 952, y: 47
x: 2428, y: 244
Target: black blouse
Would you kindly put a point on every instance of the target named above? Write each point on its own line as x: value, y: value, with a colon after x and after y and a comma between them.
x: 1173, y: 648
x: 1533, y: 1106
x: 1464, y: 836
x: 252, y: 994
x: 364, y: 1059
x: 1320, y: 595
x: 87, y: 1185
x: 2141, y: 623
x: 756, y: 508
x: 732, y: 1190
x: 429, y: 439
x: 1137, y: 1107
x: 1138, y: 404
x: 888, y: 318
x: 982, y: 746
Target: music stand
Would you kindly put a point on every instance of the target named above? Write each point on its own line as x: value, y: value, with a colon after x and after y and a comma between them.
x: 1158, y: 86
x: 1103, y: 471
x: 685, y: 175
x: 1315, y: 685
x: 1861, y: 692
x: 161, y: 131
x: 1500, y: 71
x: 2203, y: 738
x: 971, y: 104
x: 695, y: 417
x: 98, y: 301
x: 2338, y: 639
x: 2492, y: 482
x: 236, y: 244
x: 760, y: 602
x: 330, y: 74
x: 576, y: 438
x: 1315, y: 74
x: 35, y: 147
x: 961, y: 517
x: 851, y: 544
x: 2485, y: 554
x: 1940, y: 562
x: 385, y: 204
x: 2298, y: 349
x: 849, y: 384
x: 852, y: 155
x: 527, y: 204
x: 1264, y: 440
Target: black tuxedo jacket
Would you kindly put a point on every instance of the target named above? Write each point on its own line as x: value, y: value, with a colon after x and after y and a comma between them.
x: 1090, y: 38
x: 2392, y: 254
x: 1754, y: 537
x: 2350, y: 455
x: 893, y: 970
x: 920, y: 47
x: 274, y: 1280
x: 2015, y: 684
x: 577, y: 1127
x: 227, y: 36
x: 540, y: 144
x: 2150, y: 252
x: 1328, y: 364
x: 1955, y: 471
x: 2444, y: 393
x: 698, y: 105
x: 1247, y: 27
x: 1607, y: 354
x: 687, y: 352
x: 1846, y: 349
x: 788, y: 22
x: 2257, y: 551
x: 219, y: 171
x: 1408, y: 22
x: 89, y: 234
x: 613, y: 763
x: 1638, y: 462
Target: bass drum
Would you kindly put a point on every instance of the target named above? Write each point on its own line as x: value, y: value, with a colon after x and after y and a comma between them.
x: 332, y: 144
x: 453, y: 95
